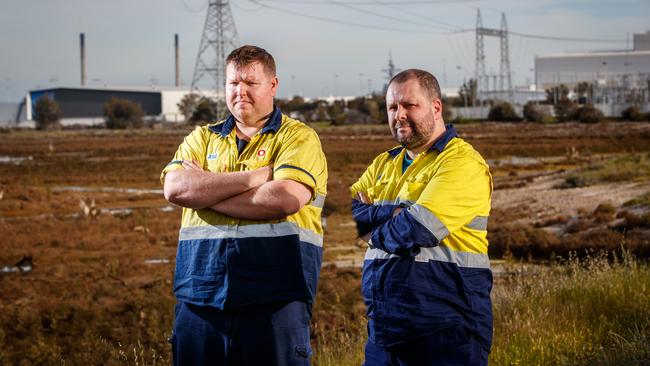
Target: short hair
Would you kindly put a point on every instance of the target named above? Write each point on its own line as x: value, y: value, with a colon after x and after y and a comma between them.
x: 246, y: 55
x: 427, y: 81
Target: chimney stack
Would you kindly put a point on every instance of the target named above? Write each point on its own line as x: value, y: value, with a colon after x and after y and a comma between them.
x: 82, y: 49
x: 178, y: 76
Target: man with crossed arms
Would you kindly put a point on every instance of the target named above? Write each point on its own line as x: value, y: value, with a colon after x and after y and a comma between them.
x: 252, y: 189
x: 423, y: 208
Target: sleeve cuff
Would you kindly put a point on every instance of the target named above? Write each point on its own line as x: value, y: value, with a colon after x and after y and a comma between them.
x: 290, y: 172
x: 173, y: 165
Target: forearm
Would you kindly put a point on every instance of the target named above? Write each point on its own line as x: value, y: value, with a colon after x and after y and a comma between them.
x: 402, y: 235
x: 200, y: 189
x: 272, y: 200
x: 368, y: 216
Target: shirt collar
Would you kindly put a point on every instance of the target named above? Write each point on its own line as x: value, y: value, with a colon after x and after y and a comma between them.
x: 272, y: 125
x: 441, y: 143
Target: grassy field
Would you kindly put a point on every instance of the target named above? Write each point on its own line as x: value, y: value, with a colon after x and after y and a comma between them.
x: 100, y: 289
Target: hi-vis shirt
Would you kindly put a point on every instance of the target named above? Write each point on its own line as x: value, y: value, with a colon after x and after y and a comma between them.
x: 427, y: 268
x: 227, y: 262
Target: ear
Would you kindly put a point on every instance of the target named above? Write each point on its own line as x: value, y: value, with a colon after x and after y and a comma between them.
x: 437, y: 109
x: 274, y: 84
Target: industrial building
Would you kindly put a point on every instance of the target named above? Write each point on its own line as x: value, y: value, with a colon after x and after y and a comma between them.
x: 84, y: 105
x: 616, y: 79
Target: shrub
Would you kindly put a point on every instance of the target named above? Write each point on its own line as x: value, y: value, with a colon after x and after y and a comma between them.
x: 533, y: 113
x: 565, y: 110
x: 633, y: 113
x: 589, y: 114
x: 205, y: 111
x: 48, y: 114
x: 503, y: 112
x: 123, y: 113
x: 187, y: 105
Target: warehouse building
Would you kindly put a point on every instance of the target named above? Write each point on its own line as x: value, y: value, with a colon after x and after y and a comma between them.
x: 85, y: 105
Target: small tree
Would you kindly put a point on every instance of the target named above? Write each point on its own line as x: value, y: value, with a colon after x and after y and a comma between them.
x: 633, y: 113
x: 48, y: 114
x: 503, y: 112
x: 205, y: 111
x: 565, y: 110
x: 123, y: 113
x: 534, y: 113
x: 187, y: 105
x: 589, y: 114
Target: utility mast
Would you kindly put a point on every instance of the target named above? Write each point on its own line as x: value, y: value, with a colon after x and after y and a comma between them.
x: 219, y: 35
x: 390, y: 70
x: 505, y: 75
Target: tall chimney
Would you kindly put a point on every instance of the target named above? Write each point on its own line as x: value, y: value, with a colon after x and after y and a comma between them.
x: 82, y: 49
x: 178, y: 76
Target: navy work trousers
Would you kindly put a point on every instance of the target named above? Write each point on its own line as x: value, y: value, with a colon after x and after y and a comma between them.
x: 453, y: 346
x: 263, y: 334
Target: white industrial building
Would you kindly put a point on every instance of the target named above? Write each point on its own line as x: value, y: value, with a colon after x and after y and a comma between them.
x: 84, y: 105
x: 616, y: 79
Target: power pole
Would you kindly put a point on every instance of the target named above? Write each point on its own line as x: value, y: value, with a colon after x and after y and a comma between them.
x: 219, y: 34
x: 505, y: 58
x: 505, y: 72
x: 479, y: 73
x: 390, y: 70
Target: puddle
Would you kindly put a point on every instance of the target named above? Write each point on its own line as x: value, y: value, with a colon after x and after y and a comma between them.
x: 16, y: 160
x: 106, y: 190
x: 157, y: 261
x: 168, y: 208
x: 514, y: 161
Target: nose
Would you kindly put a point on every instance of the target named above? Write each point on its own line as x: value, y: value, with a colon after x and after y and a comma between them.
x: 400, y: 115
x: 240, y: 89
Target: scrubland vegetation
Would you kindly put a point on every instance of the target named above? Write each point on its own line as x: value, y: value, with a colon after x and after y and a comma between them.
x: 569, y: 235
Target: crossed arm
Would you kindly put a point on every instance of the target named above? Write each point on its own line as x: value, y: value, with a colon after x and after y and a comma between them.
x: 249, y: 195
x: 389, y: 227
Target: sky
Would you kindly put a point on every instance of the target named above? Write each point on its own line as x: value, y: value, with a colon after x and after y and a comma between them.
x: 321, y: 47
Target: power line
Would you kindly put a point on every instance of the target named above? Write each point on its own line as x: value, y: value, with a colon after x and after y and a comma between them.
x: 383, y: 3
x: 347, y: 5
x: 342, y: 22
x: 421, y: 2
x: 551, y: 38
x: 188, y: 8
x: 569, y: 39
x: 437, y: 22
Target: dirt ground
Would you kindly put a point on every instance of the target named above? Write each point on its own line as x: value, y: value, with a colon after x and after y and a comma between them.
x: 86, y: 207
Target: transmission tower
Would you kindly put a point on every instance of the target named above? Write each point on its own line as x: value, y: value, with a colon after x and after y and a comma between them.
x: 219, y: 35
x: 482, y: 81
x: 390, y: 70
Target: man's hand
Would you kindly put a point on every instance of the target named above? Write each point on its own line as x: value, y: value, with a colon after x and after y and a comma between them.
x: 363, y: 198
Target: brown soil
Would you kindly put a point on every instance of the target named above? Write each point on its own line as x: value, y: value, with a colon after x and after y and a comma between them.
x: 91, y: 287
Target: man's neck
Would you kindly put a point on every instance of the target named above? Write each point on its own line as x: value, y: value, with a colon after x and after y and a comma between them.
x: 247, y: 129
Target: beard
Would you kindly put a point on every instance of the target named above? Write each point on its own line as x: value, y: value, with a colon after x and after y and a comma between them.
x: 417, y: 137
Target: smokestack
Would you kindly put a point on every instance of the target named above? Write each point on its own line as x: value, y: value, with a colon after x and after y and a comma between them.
x: 82, y: 50
x: 178, y: 76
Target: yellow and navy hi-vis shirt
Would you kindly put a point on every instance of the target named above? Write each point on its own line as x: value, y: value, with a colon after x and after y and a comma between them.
x: 427, y: 268
x: 226, y: 262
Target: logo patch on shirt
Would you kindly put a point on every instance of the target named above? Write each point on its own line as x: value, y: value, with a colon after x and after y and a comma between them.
x: 213, y: 156
x: 261, y: 153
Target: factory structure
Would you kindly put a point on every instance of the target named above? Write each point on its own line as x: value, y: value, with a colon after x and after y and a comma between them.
x: 85, y: 105
x: 615, y: 79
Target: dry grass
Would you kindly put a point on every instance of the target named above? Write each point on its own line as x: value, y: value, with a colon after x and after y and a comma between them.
x: 91, y: 299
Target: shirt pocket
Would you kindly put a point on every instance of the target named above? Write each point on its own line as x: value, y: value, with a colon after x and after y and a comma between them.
x: 378, y: 191
x: 218, y: 165
x: 411, y: 191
